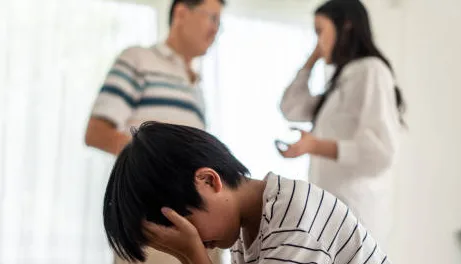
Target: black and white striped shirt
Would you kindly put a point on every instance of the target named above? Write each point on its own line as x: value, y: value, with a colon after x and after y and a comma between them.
x: 302, y: 223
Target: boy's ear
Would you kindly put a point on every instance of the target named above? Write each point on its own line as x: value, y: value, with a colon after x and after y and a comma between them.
x: 207, y: 177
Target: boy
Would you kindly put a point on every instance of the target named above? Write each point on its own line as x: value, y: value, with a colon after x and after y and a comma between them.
x: 180, y: 190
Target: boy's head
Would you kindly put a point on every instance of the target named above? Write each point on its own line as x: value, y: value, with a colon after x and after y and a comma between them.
x: 173, y: 166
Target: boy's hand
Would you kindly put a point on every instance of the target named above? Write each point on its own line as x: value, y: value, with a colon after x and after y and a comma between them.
x: 181, y: 240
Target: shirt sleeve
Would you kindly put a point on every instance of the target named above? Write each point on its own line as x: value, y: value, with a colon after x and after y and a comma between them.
x: 297, y: 102
x: 121, y: 89
x: 356, y: 245
x: 368, y: 105
x: 348, y: 246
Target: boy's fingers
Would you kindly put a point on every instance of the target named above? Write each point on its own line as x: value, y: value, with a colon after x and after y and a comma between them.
x: 149, y: 230
x: 174, y: 217
x: 153, y: 231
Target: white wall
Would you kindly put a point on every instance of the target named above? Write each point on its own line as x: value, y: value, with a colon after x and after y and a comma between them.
x: 162, y: 7
x: 289, y: 11
x: 423, y: 39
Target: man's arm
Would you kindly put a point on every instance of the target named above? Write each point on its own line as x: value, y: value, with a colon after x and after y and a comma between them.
x: 115, y: 103
x: 102, y: 134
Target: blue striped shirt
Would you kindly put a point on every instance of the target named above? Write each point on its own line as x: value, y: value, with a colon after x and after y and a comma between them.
x: 150, y: 84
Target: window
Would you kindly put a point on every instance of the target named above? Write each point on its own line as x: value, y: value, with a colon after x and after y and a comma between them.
x: 245, y: 74
x: 55, y: 56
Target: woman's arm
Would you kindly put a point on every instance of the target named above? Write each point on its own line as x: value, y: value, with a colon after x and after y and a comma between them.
x: 369, y: 106
x: 297, y: 102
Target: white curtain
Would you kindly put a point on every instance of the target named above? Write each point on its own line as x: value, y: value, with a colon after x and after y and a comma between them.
x: 245, y: 75
x: 54, y: 55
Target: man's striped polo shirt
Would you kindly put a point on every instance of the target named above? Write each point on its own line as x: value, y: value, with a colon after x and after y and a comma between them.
x: 150, y: 84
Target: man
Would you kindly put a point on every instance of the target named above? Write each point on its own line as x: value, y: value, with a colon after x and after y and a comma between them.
x: 156, y: 83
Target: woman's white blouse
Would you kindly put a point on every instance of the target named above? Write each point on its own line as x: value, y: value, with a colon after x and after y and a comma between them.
x: 361, y: 116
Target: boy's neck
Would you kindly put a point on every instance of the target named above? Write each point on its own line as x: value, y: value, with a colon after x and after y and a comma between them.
x: 251, y: 203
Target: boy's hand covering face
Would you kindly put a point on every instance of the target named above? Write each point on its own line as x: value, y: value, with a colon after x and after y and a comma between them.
x: 181, y: 240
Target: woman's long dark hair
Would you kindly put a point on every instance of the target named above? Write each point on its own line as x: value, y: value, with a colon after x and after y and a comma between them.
x: 354, y: 40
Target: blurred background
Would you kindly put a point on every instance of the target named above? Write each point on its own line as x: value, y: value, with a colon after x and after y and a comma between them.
x: 54, y: 55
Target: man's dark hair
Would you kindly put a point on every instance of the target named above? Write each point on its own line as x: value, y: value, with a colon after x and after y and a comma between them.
x: 189, y: 3
x: 157, y: 169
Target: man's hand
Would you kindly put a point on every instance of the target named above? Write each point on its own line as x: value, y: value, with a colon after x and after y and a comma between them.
x: 181, y: 240
x: 103, y: 135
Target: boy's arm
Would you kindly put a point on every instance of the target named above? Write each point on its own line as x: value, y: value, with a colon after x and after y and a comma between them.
x: 200, y: 256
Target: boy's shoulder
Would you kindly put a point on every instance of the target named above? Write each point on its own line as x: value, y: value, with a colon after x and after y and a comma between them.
x: 297, y: 204
x: 303, y: 223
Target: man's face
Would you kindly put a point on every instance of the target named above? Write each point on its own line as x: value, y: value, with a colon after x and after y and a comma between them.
x: 199, y: 25
x: 219, y: 223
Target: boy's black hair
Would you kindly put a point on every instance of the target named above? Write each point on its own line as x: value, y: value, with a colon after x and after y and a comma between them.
x: 157, y: 169
x: 189, y: 3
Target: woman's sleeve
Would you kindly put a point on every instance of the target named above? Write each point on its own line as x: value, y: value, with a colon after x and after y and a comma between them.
x: 297, y: 103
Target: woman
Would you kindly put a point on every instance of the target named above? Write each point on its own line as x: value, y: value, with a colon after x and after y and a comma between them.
x: 356, y: 121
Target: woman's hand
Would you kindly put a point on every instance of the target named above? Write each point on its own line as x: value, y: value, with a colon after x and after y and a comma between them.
x: 306, y: 144
x: 181, y: 240
x: 315, y: 56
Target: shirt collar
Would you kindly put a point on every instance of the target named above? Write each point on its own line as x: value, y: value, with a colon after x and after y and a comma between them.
x: 166, y: 51
x: 173, y: 56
